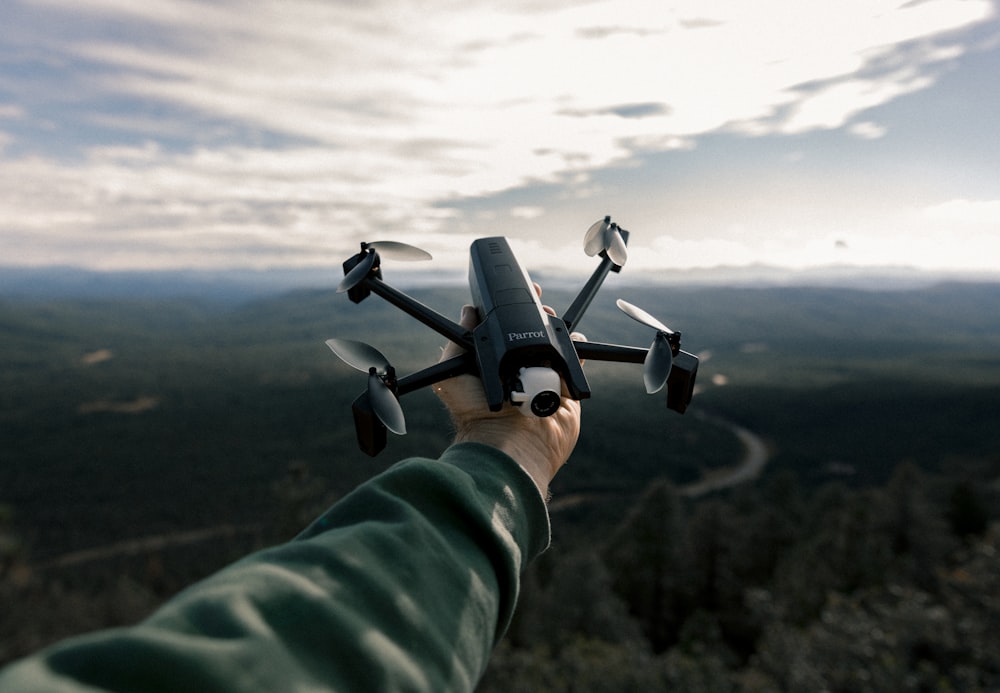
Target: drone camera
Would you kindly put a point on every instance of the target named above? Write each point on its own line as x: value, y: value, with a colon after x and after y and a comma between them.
x: 539, y: 389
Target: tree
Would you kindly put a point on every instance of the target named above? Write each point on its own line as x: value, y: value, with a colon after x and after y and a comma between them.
x: 580, y: 594
x: 648, y: 558
x: 967, y: 514
x: 916, y: 529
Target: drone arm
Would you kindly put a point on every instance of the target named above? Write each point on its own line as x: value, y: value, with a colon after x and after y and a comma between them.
x: 596, y: 351
x: 463, y: 364
x: 680, y: 384
x: 429, y: 317
x: 580, y: 304
x: 575, y: 312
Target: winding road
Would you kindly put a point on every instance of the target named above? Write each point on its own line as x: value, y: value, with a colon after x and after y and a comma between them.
x: 755, y: 458
x: 142, y: 545
x: 750, y: 466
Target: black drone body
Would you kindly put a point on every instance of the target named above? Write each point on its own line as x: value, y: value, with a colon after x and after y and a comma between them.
x: 521, y: 353
x: 514, y: 332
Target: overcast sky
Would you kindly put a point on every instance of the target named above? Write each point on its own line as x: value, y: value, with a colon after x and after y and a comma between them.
x: 225, y: 133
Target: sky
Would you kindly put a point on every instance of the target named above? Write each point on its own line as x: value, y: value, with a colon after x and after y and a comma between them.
x: 189, y: 134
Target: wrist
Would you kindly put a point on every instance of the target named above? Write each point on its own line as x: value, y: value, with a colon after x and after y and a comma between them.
x: 535, y: 462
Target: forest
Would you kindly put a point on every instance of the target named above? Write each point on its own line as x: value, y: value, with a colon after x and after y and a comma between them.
x: 823, y: 517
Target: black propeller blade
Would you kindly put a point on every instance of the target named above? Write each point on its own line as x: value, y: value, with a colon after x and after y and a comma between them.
x: 367, y: 358
x: 604, y: 235
x: 660, y: 357
x: 369, y: 253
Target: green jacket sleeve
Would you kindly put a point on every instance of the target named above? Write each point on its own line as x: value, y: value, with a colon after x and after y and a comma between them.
x: 405, y: 584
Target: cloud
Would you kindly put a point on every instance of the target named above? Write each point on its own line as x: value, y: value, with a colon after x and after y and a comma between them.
x: 387, y: 74
x: 966, y: 212
x: 271, y: 134
x: 867, y: 130
x: 527, y: 213
x: 11, y: 112
x: 201, y: 208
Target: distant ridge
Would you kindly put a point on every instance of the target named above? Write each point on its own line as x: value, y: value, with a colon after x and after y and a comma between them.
x: 237, y: 285
x: 848, y: 276
x: 225, y: 286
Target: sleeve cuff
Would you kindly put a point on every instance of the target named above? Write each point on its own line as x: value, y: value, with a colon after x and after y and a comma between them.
x: 519, y: 504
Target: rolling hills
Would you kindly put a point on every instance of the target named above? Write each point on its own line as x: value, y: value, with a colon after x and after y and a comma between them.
x: 185, y: 431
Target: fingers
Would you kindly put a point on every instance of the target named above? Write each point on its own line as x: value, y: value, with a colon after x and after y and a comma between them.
x: 468, y: 320
x: 579, y: 337
x: 538, y: 291
x: 469, y: 317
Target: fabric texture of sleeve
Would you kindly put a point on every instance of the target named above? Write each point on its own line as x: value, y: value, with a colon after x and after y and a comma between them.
x: 405, y: 584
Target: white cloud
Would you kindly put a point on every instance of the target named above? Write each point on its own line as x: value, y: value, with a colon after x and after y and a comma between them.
x: 11, y: 111
x: 867, y: 130
x: 966, y: 212
x: 491, y: 81
x: 389, y: 115
x: 527, y: 213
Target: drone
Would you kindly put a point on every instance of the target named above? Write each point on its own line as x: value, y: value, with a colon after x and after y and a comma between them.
x: 521, y: 353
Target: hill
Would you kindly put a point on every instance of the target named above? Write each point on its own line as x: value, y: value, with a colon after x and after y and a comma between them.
x: 152, y: 439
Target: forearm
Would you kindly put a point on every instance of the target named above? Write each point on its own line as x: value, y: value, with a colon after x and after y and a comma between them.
x: 404, y: 584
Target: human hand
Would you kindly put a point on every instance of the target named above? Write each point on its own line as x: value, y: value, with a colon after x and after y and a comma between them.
x: 540, y: 445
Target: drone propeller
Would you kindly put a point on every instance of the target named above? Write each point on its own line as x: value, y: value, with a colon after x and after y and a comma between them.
x: 604, y: 236
x: 369, y: 252
x: 368, y: 359
x: 660, y: 357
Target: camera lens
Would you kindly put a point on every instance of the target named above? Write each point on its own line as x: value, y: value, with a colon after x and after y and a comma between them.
x: 545, y: 403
